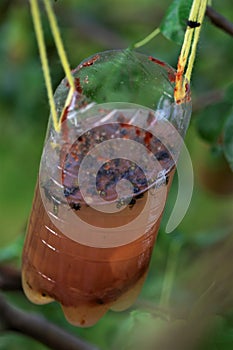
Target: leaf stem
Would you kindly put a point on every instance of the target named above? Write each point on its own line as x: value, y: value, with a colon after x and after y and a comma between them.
x: 170, y: 273
x: 148, y: 38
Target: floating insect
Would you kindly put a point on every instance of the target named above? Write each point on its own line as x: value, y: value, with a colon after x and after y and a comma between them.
x: 132, y: 203
x: 69, y: 191
x: 75, y: 206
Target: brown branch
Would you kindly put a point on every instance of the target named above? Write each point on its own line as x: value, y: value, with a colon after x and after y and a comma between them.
x: 10, y: 279
x: 36, y: 327
x: 219, y: 21
x: 92, y: 29
x: 207, y: 99
x: 14, y: 319
x: 5, y: 5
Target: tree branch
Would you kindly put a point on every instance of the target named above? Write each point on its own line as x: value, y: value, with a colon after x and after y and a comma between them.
x: 14, y: 319
x: 92, y: 29
x: 207, y: 99
x: 10, y: 279
x: 219, y: 21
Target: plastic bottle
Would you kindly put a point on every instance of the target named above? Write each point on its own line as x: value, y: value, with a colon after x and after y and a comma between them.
x: 103, y: 184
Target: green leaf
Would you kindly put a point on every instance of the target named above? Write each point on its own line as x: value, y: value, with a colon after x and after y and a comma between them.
x: 228, y: 140
x: 12, y: 251
x: 211, y: 120
x: 229, y: 94
x: 208, y: 238
x: 174, y: 23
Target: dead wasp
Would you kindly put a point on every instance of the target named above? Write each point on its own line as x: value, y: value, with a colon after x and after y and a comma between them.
x: 132, y: 203
x: 162, y: 155
x: 69, y: 191
x: 140, y: 195
x: 120, y: 203
x: 52, y: 199
x: 75, y: 206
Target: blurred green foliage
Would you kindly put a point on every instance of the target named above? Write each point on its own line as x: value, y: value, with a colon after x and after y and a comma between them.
x: 89, y: 26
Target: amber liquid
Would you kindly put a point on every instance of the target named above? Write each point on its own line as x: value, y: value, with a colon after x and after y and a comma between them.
x: 87, y: 281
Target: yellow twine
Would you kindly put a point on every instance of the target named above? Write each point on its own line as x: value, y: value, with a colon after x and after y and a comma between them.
x: 44, y: 60
x: 195, y: 40
x: 188, y: 50
x: 58, y: 42
x: 62, y: 54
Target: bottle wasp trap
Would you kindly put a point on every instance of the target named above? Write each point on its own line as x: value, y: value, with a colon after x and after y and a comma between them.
x: 106, y: 168
x: 103, y: 183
